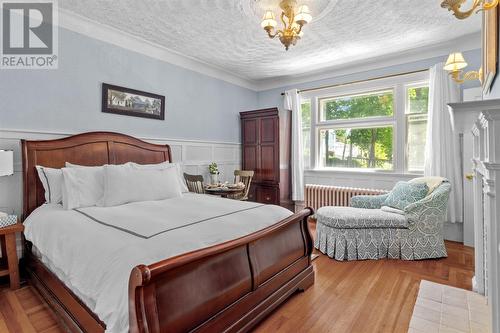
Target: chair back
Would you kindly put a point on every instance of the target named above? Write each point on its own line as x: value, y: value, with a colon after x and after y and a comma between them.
x: 244, y: 176
x: 194, y: 183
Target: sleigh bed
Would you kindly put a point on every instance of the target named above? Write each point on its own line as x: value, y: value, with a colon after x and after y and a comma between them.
x: 226, y: 287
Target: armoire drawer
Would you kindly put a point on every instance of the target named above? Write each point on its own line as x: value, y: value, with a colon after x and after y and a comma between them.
x: 267, y: 194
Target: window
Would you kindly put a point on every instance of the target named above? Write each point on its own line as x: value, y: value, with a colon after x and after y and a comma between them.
x: 374, y: 104
x: 372, y: 125
x: 357, y: 143
x: 356, y: 148
x: 417, y: 99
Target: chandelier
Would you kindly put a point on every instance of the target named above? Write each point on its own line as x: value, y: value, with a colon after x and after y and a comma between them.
x: 293, y: 18
x: 477, y: 5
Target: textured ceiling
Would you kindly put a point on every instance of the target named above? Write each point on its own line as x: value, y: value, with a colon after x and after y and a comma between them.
x: 227, y: 33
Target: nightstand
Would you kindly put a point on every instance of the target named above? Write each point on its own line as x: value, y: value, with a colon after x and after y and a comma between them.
x: 10, y: 265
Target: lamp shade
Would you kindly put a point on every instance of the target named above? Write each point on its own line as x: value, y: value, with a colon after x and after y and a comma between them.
x: 6, y: 162
x: 455, y: 62
x: 269, y: 20
x: 303, y: 15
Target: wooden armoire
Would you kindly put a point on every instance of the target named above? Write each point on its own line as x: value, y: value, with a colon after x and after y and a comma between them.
x: 265, y: 149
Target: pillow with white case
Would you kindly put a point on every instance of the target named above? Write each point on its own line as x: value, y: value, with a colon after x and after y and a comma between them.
x: 165, y: 165
x: 52, y: 180
x: 82, y: 186
x: 71, y: 165
x: 124, y: 184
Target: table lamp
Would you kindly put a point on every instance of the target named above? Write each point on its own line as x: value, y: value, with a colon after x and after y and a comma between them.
x: 6, y: 166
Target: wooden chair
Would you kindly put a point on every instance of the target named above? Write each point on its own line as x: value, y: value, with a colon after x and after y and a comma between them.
x: 194, y: 183
x: 244, y: 176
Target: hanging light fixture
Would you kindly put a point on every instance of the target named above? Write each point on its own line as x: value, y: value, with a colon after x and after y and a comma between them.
x: 455, y: 65
x: 293, y: 18
x: 477, y: 5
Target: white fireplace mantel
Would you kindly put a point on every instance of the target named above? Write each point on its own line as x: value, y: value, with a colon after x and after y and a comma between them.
x: 464, y: 116
x: 477, y: 126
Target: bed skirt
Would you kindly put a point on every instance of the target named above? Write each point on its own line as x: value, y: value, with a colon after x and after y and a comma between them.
x: 377, y: 243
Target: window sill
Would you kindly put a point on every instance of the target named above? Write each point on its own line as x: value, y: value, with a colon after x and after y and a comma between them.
x: 345, y: 171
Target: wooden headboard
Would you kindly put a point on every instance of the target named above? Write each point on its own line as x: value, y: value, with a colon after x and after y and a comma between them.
x: 91, y: 149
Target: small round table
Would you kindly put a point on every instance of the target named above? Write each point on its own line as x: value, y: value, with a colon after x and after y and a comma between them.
x: 224, y: 192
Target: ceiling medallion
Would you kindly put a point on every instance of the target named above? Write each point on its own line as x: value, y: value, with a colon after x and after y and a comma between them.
x: 454, y: 6
x: 293, y: 18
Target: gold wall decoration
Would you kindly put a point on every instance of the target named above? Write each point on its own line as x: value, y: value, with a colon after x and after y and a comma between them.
x: 455, y: 6
x: 489, y: 47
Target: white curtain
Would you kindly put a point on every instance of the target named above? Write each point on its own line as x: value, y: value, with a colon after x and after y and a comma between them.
x: 292, y: 103
x: 442, y: 156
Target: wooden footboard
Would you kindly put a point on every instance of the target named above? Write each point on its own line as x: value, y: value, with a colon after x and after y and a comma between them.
x: 228, y: 287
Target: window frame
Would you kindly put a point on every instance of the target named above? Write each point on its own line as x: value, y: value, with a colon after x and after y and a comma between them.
x: 420, y: 84
x: 399, y: 85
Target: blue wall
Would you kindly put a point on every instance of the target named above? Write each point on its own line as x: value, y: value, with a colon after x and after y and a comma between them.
x: 197, y: 106
x: 69, y: 99
x: 271, y: 98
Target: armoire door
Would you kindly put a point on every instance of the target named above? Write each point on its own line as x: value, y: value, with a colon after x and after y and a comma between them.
x: 268, y: 158
x: 251, y: 146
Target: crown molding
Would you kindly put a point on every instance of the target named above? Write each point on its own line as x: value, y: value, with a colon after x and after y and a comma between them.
x: 90, y: 28
x: 93, y: 29
x: 465, y: 43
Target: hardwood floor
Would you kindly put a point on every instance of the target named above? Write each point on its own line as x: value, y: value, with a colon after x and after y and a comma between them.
x: 24, y: 311
x: 361, y: 296
x: 367, y: 296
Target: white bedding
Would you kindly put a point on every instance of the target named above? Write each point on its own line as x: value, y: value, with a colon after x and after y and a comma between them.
x: 94, y: 249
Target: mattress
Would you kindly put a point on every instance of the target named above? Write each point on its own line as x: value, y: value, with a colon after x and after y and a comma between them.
x: 93, y: 250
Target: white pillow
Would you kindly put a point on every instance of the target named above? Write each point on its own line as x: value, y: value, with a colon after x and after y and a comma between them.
x: 124, y: 184
x: 71, y: 165
x: 82, y: 187
x: 165, y: 165
x: 52, y: 180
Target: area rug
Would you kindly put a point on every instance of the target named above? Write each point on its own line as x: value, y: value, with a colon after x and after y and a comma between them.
x: 440, y: 308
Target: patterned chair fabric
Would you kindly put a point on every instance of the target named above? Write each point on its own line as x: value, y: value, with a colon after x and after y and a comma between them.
x: 419, y: 237
x: 355, y: 218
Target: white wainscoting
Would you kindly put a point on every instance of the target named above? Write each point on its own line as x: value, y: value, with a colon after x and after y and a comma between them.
x: 194, y: 155
x: 374, y: 180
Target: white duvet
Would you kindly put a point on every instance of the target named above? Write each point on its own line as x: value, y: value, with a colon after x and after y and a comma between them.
x: 92, y: 250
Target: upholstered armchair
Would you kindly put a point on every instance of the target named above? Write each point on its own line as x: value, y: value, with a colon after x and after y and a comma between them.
x: 417, y: 233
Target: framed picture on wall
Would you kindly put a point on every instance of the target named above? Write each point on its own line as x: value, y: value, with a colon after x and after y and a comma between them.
x: 131, y: 102
x: 489, y: 47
